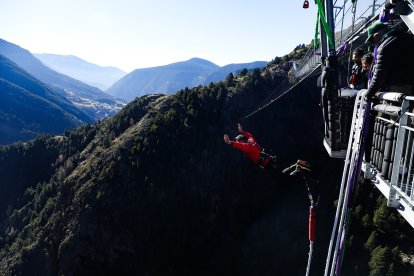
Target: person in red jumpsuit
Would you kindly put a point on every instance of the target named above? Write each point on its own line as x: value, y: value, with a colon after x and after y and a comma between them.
x: 246, y: 143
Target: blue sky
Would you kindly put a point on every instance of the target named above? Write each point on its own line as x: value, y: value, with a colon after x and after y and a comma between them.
x: 132, y: 34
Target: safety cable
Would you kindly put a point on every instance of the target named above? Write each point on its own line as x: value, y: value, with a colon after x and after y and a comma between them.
x: 280, y: 87
x: 356, y: 148
x: 312, y: 224
x: 280, y: 96
x: 348, y: 176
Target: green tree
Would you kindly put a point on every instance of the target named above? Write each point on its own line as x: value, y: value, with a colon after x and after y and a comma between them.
x: 243, y: 72
x: 229, y: 80
x: 366, y: 221
x: 277, y: 60
x: 380, y: 262
x: 372, y: 241
x: 381, y: 218
x: 256, y: 73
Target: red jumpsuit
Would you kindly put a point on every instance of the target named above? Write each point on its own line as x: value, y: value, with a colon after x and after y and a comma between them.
x: 251, y: 149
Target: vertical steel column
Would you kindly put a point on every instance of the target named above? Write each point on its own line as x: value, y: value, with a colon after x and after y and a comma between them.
x: 392, y: 197
x: 374, y: 2
x: 330, y: 17
x: 329, y: 78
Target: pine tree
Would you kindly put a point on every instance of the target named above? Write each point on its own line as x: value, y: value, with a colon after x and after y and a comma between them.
x: 380, y: 261
x: 229, y: 80
x: 243, y: 72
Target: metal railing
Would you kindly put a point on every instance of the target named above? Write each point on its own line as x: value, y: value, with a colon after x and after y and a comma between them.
x: 391, y: 165
x: 309, y: 62
x: 347, y: 31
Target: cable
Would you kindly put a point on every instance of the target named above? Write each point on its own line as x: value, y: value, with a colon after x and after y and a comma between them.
x: 280, y: 96
x: 312, y: 225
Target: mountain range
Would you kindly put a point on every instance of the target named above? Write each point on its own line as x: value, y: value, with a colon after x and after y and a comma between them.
x: 170, y: 78
x: 71, y: 101
x: 77, y: 68
x: 90, y: 99
x: 28, y: 107
x: 154, y: 190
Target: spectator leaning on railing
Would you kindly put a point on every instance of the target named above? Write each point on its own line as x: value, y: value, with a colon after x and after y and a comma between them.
x: 394, y: 60
x: 393, y: 67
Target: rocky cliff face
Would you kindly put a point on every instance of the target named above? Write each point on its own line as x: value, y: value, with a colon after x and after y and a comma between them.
x: 155, y: 190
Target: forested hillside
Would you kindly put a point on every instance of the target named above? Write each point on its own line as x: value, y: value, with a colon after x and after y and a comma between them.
x: 28, y: 107
x: 155, y: 190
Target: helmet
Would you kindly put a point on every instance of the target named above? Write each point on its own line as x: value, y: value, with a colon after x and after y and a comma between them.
x: 240, y: 138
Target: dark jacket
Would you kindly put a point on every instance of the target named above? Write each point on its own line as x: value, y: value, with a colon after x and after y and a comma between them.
x: 359, y: 77
x: 394, y: 63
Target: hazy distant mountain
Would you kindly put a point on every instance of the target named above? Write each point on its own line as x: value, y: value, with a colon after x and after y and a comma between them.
x: 170, y: 78
x: 165, y: 79
x: 90, y: 99
x: 92, y: 74
x: 222, y: 72
x: 28, y: 107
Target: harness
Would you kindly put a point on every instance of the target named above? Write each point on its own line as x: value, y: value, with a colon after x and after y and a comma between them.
x: 264, y: 159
